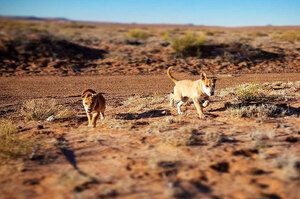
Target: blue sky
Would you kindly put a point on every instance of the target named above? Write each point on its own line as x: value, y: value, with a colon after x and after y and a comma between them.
x: 199, y: 12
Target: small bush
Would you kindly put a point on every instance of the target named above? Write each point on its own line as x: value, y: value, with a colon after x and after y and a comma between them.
x: 249, y: 92
x: 256, y: 111
x: 289, y: 36
x: 189, y: 45
x: 79, y: 25
x: 259, y: 34
x: 138, y: 34
x: 7, y: 127
x: 10, y: 145
x: 166, y: 36
x: 41, y: 109
x: 236, y: 112
x: 214, y: 137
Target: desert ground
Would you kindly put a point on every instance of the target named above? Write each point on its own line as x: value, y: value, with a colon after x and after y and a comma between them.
x: 246, y: 147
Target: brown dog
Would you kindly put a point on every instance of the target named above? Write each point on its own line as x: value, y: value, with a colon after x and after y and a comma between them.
x: 197, y: 90
x: 94, y: 105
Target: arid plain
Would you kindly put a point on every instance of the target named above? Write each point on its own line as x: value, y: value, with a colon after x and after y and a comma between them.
x: 247, y: 147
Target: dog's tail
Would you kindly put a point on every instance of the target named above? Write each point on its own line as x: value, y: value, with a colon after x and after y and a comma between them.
x: 170, y: 76
x: 87, y: 90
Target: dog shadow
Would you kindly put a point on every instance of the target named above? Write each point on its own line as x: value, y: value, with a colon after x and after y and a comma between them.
x: 148, y: 114
x: 63, y: 146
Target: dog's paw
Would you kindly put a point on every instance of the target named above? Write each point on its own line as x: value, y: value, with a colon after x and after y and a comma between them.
x: 202, y: 116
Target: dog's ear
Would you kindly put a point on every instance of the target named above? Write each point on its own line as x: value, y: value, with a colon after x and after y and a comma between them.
x: 203, y: 76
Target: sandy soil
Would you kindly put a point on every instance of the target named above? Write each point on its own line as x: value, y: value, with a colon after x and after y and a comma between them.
x: 73, y: 48
x: 149, y: 152
x: 143, y: 148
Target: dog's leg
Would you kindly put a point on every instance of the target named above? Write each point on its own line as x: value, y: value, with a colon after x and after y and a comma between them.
x: 89, y: 116
x: 199, y: 108
x: 179, y: 107
x: 94, y: 119
x: 171, y: 99
x: 102, y: 115
x: 205, y: 103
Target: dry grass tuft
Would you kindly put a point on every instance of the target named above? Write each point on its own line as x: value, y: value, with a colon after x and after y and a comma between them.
x: 156, y: 98
x: 225, y: 92
x: 262, y: 134
x: 41, y: 109
x: 138, y: 103
x: 11, y: 146
x: 165, y: 35
x: 249, y: 92
x: 172, y: 120
x: 185, y: 136
x: 235, y: 112
x: 138, y: 34
x: 256, y: 111
x: 289, y: 36
x: 213, y: 137
x: 259, y: 34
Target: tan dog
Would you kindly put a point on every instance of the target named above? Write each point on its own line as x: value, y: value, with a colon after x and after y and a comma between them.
x: 197, y: 90
x: 94, y: 105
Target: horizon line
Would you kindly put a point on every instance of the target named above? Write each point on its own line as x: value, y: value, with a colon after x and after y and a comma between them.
x: 33, y: 17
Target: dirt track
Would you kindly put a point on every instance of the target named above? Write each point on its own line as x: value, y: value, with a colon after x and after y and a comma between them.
x: 16, y: 89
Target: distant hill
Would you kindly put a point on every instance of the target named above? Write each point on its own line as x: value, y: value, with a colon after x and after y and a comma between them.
x: 33, y: 18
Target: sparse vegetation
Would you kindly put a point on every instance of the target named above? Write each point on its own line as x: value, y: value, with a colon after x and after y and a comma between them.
x: 166, y: 36
x: 11, y: 146
x: 259, y: 34
x: 256, y: 111
x: 213, y: 137
x: 262, y: 133
x: 143, y: 102
x: 225, y: 92
x: 142, y: 139
x: 189, y: 45
x: 41, y: 109
x: 138, y: 34
x: 289, y: 36
x: 171, y: 120
x: 79, y: 25
x: 249, y: 92
x: 237, y: 112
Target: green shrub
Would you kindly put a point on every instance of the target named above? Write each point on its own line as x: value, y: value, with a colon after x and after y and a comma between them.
x: 138, y: 34
x: 189, y: 45
x: 166, y: 36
